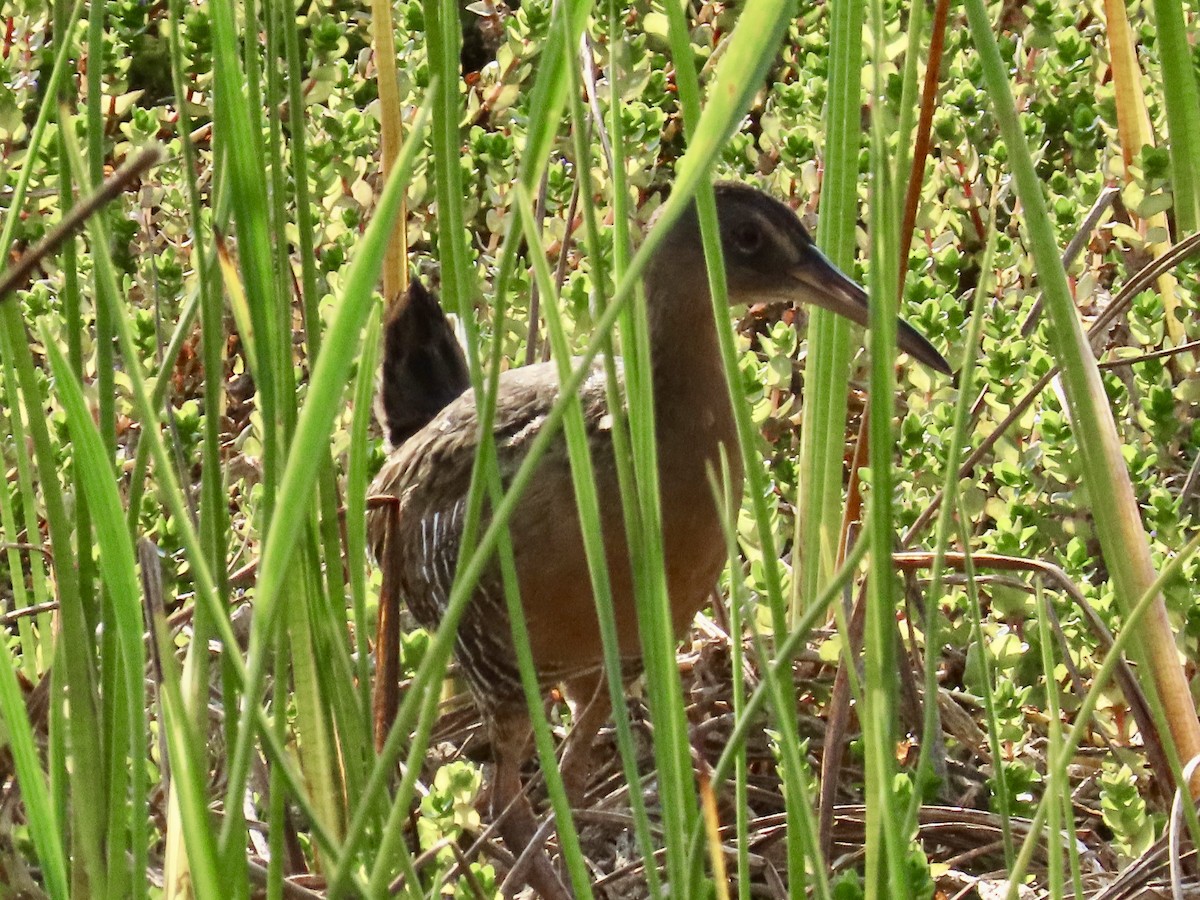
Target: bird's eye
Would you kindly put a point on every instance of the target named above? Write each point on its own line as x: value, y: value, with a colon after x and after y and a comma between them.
x: 746, y: 237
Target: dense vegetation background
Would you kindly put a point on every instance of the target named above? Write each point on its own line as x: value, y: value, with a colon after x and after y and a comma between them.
x: 161, y: 396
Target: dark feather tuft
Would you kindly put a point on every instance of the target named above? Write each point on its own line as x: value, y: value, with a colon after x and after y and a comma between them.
x: 423, y: 365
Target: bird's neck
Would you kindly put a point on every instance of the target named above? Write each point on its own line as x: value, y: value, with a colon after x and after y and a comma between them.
x: 692, y: 410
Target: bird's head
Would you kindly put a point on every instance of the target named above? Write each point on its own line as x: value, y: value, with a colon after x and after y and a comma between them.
x: 769, y: 256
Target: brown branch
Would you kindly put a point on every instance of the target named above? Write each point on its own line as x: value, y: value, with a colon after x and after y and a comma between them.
x: 36, y: 609
x: 912, y: 199
x: 1143, y: 357
x: 386, y: 698
x: 114, y: 185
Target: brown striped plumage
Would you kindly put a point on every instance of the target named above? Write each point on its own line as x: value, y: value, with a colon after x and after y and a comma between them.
x: 768, y: 255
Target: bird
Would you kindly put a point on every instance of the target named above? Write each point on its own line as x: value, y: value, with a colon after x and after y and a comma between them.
x: 430, y: 418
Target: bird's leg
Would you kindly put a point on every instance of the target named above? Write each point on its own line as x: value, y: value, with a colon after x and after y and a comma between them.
x: 592, y: 704
x: 511, y: 734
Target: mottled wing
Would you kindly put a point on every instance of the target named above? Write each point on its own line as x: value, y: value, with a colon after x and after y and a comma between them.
x: 430, y: 475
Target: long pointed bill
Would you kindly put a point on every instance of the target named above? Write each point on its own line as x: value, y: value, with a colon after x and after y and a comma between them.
x: 823, y: 284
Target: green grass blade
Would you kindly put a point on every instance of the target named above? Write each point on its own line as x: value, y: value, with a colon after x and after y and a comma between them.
x: 822, y: 434
x: 44, y: 827
x: 584, y: 478
x: 621, y: 441
x: 326, y: 386
x: 757, y: 36
x: 238, y: 120
x: 1182, y: 100
x: 885, y: 855
x: 356, y: 510
x: 120, y: 579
